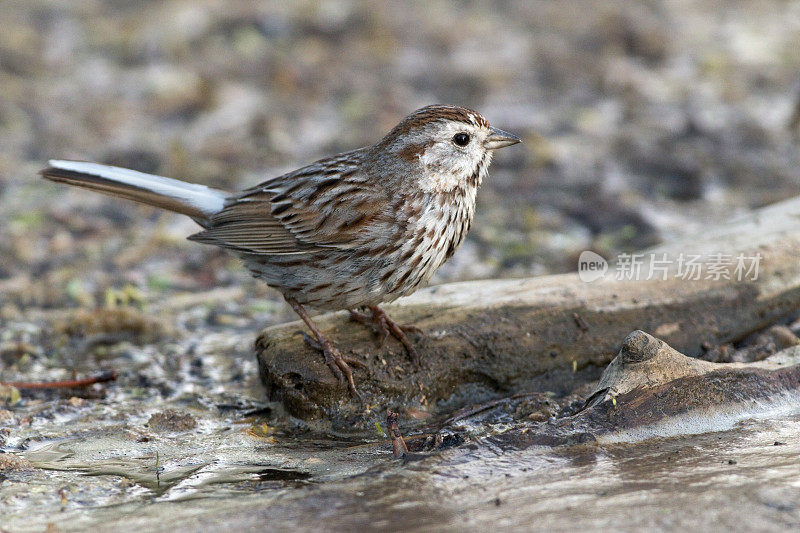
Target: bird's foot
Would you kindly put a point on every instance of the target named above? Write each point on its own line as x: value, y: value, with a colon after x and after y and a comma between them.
x: 339, y: 364
x: 384, y: 326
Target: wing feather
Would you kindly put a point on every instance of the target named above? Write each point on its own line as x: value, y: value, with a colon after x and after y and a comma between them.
x: 329, y: 204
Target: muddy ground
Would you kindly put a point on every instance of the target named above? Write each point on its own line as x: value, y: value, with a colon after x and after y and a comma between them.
x: 641, y: 122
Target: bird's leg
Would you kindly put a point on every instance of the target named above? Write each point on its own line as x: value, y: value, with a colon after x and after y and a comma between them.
x: 339, y: 365
x: 384, y: 325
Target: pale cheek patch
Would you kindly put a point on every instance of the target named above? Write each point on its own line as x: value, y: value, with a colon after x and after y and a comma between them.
x: 444, y: 170
x: 441, y: 182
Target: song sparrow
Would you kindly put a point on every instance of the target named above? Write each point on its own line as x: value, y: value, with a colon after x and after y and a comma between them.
x: 351, y: 231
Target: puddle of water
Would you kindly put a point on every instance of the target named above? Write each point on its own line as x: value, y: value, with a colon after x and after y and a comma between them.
x: 739, y: 478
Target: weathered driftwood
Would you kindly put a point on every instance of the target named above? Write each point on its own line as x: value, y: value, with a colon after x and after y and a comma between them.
x: 493, y: 337
x: 652, y: 390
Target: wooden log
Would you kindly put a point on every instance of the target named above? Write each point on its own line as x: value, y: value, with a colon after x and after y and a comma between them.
x: 485, y: 338
x: 651, y: 390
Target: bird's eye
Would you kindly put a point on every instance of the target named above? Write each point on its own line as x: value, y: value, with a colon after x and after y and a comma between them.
x: 461, y: 139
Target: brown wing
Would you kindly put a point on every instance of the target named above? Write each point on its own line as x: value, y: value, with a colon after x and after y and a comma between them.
x: 249, y: 227
x: 329, y: 204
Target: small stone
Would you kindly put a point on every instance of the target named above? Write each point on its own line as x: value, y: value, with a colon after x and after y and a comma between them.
x: 75, y: 401
x: 14, y: 463
x: 171, y: 420
x: 6, y: 416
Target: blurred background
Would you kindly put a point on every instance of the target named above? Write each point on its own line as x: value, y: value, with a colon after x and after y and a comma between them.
x: 640, y: 120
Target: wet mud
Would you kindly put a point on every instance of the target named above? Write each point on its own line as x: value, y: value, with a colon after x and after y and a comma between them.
x: 595, y: 446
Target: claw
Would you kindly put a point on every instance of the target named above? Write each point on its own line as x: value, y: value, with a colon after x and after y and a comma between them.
x: 411, y: 328
x: 339, y: 365
x: 329, y: 359
x: 311, y: 341
x: 384, y: 325
x: 383, y: 334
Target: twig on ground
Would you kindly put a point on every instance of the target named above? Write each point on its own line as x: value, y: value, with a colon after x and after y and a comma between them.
x: 66, y: 384
x: 475, y: 409
x: 398, y: 444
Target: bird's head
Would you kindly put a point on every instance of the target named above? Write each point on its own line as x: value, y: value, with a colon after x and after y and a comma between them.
x: 445, y: 147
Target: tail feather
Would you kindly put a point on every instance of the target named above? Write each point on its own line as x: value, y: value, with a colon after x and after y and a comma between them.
x: 196, y: 201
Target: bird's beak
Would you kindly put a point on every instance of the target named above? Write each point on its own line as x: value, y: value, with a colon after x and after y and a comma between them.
x: 499, y: 139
